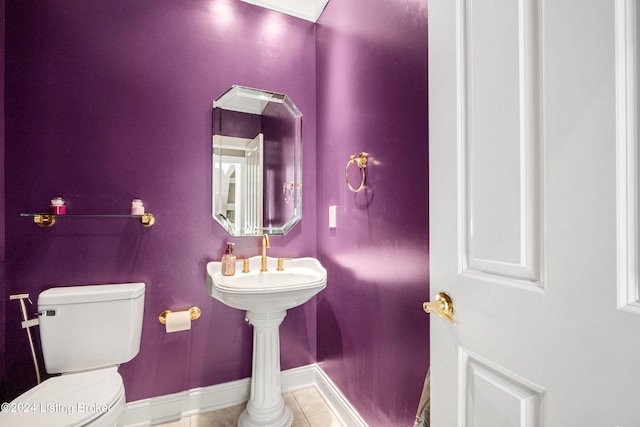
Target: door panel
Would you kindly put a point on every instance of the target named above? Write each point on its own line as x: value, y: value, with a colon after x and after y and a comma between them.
x: 533, y: 212
x: 498, y: 132
x: 627, y: 69
x: 493, y: 396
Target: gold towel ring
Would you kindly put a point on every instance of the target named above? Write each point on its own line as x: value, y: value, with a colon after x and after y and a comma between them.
x: 361, y: 161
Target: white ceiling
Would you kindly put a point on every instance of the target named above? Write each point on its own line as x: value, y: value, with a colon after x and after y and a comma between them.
x: 305, y: 9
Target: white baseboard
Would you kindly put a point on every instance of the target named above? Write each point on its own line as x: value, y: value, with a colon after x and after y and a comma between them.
x: 172, y: 407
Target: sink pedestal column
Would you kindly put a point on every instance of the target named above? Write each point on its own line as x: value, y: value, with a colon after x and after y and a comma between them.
x: 266, y: 406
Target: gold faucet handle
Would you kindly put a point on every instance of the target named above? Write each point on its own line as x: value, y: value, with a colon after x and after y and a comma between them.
x: 280, y: 264
x: 245, y: 266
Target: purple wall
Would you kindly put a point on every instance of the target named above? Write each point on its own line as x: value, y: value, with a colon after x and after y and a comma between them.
x: 109, y: 101
x: 372, y: 96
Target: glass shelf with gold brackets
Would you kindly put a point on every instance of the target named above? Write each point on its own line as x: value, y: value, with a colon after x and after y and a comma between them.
x: 47, y: 220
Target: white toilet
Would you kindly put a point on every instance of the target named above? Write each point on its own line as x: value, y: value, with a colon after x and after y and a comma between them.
x: 86, y: 333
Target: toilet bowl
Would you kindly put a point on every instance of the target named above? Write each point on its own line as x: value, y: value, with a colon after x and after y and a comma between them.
x: 86, y: 332
x: 94, y: 398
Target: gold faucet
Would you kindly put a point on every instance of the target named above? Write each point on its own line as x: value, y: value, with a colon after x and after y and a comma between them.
x: 265, y: 245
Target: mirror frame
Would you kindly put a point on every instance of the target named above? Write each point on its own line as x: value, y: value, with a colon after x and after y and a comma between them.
x: 242, y: 99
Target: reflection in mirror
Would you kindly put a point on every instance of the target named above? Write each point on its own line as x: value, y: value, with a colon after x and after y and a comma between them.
x: 257, y: 163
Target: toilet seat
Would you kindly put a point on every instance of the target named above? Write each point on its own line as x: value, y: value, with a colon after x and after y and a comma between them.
x: 70, y: 400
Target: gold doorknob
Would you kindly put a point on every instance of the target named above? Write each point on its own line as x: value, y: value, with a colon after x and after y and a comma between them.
x: 442, y: 306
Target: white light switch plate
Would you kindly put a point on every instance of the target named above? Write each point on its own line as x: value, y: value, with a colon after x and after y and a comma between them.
x: 332, y: 216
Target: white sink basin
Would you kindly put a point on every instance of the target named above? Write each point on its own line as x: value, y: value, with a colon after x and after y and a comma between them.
x: 270, y: 291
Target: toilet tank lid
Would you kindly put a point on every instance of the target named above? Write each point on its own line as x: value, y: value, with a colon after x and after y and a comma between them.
x: 91, y: 293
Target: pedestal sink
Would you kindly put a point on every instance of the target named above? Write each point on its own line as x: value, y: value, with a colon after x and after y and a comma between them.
x: 266, y: 297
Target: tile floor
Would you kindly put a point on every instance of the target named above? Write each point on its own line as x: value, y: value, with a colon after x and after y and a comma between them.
x: 308, y: 407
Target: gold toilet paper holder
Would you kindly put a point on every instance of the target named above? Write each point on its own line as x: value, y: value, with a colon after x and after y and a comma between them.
x: 194, y: 313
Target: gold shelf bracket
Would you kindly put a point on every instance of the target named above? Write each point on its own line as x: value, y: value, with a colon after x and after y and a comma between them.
x: 147, y: 220
x: 44, y: 220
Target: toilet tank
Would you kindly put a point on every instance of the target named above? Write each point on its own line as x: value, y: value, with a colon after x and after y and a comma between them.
x: 89, y: 327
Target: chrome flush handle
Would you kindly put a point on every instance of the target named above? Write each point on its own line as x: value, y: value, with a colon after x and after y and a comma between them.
x: 46, y: 313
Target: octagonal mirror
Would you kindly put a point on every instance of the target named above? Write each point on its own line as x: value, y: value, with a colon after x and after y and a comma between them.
x: 257, y: 163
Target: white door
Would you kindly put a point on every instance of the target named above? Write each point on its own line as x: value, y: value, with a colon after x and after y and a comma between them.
x: 533, y: 212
